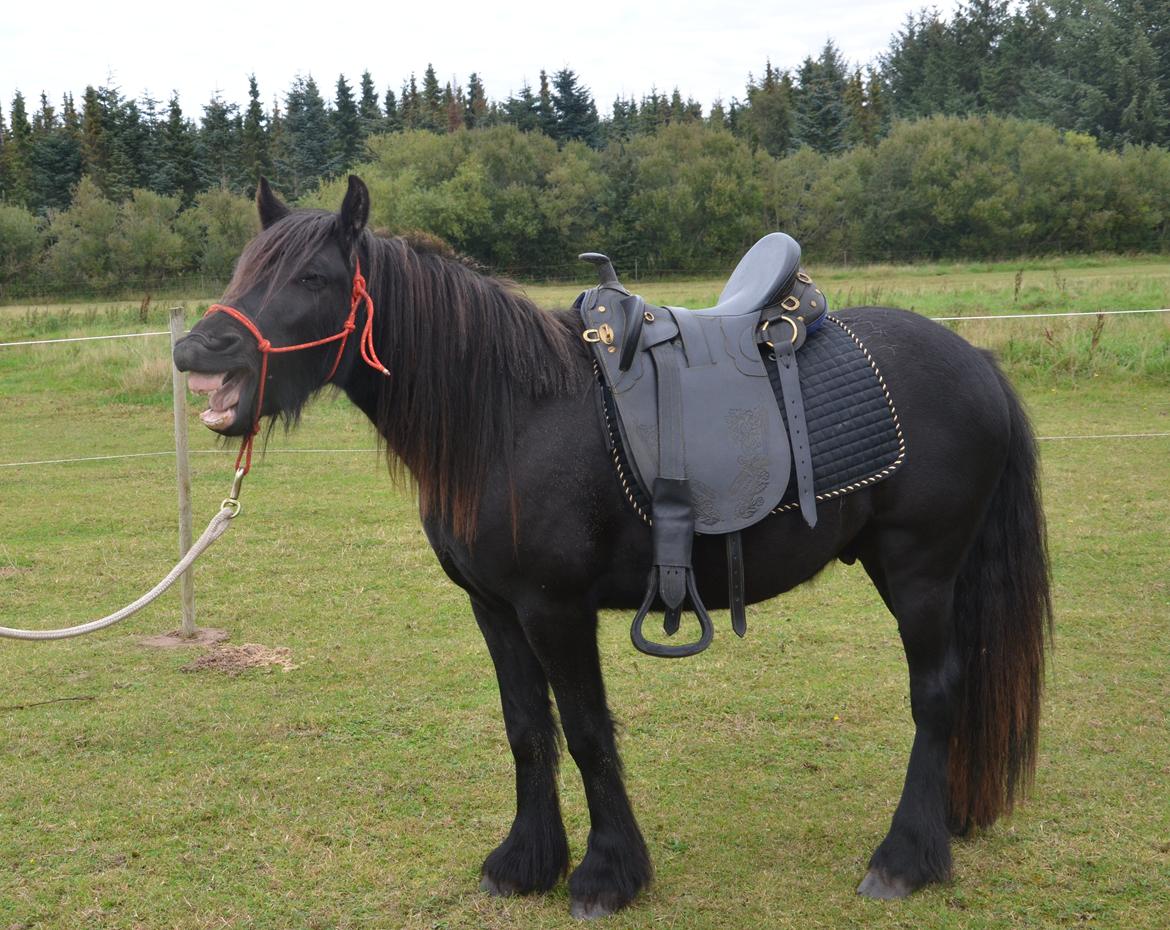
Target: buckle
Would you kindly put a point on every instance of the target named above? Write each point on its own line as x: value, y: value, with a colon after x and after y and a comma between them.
x: 603, y: 333
x: 787, y: 319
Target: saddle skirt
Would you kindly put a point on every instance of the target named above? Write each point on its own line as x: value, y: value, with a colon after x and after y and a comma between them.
x: 735, y: 447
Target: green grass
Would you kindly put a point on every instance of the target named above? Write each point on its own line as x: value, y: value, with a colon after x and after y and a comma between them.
x: 364, y: 788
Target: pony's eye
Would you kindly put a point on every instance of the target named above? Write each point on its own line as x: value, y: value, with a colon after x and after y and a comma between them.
x: 311, y: 279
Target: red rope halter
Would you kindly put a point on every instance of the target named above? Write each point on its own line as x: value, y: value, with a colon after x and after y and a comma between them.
x: 366, y: 346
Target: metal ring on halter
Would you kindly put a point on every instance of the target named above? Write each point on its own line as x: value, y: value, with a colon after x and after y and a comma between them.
x: 232, y: 502
x: 791, y: 322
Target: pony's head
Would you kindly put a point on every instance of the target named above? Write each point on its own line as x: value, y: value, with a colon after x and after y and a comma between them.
x: 293, y: 285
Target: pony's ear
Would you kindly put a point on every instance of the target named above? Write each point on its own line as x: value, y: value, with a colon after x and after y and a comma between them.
x: 270, y: 206
x: 355, y: 211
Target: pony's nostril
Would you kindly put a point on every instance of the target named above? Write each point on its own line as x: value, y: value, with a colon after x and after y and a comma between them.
x: 222, y: 343
x: 184, y: 354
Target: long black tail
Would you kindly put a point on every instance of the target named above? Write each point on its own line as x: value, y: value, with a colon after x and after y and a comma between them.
x: 1003, y: 615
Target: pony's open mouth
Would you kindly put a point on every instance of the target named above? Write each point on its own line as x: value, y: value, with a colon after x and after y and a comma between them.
x: 223, y: 390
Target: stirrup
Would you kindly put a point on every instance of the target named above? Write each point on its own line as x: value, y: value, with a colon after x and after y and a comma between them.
x: 662, y: 650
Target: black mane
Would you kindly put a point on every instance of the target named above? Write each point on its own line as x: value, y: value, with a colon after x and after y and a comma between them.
x: 462, y: 347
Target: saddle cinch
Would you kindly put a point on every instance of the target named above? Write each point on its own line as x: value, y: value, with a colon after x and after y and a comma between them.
x: 692, y: 402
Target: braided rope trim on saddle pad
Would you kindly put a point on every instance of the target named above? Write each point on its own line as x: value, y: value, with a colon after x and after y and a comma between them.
x: 854, y: 431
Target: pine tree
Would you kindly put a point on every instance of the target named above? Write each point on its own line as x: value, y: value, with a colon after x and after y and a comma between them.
x: 522, y: 110
x: 348, y: 139
x: 432, y: 113
x: 718, y: 116
x: 453, y: 106
x: 277, y: 147
x: 4, y: 182
x: 218, y: 147
x: 769, y: 118
x: 920, y: 67
x: 255, y: 158
x: 54, y: 161
x: 17, y: 149
x: 369, y: 112
x: 620, y: 125
x: 821, y: 119
x: 546, y: 118
x: 175, y: 169
x: 877, y: 117
x: 113, y: 142
x: 411, y: 105
x: 576, y: 114
x: 977, y: 30
x: 654, y: 112
x: 393, y: 121
x: 308, y: 138
x: 854, y: 101
x: 134, y: 145
x: 1143, y: 117
x: 70, y: 120
x: 477, y: 105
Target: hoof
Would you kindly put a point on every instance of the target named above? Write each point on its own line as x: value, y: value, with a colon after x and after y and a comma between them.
x: 498, y: 889
x: 592, y: 908
x: 877, y: 884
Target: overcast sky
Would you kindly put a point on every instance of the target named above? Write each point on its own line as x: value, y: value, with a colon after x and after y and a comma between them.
x: 197, y: 49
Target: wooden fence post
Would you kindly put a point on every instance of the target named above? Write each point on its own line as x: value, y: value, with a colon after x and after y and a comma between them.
x: 183, y: 472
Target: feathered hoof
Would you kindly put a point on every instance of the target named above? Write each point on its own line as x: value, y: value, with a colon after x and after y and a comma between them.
x: 594, y: 907
x: 882, y: 887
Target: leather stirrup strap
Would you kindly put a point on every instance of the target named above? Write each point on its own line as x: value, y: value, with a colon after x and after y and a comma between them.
x: 735, y: 597
x: 673, y: 520
x: 797, y: 429
x: 671, y: 511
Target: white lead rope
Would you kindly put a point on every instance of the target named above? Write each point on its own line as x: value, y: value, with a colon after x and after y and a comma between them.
x: 216, y: 528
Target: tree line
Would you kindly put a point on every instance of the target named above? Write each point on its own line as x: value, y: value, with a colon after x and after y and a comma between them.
x: 1098, y: 70
x: 1101, y: 67
x: 690, y: 198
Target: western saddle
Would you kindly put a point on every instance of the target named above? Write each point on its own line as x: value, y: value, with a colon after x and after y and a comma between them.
x: 691, y: 407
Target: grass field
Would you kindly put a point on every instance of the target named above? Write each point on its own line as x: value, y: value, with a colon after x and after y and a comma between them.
x: 363, y: 787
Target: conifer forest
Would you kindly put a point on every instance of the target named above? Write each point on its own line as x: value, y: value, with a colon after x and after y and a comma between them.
x: 1002, y: 129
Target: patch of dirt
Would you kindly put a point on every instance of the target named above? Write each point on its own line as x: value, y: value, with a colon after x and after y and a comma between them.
x: 11, y: 571
x: 204, y: 636
x: 233, y: 660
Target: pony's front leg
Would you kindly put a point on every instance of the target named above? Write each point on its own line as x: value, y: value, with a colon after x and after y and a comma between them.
x: 535, y: 854
x: 616, y: 865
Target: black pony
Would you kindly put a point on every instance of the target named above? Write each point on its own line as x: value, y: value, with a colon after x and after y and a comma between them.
x: 489, y: 407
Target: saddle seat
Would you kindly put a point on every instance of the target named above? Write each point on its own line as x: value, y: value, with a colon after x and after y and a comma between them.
x: 697, y: 418
x: 760, y: 278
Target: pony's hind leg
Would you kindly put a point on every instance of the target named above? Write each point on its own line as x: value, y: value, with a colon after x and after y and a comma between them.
x: 916, y: 851
x: 535, y: 854
x: 616, y: 866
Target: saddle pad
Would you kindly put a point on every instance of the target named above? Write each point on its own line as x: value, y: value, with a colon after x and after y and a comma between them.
x: 854, y: 433
x: 853, y: 426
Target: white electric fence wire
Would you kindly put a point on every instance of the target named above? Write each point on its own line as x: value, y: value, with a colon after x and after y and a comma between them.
x: 937, y: 319
x: 220, y: 522
x: 46, y: 342
x: 142, y: 455
x: 1042, y: 316
x: 146, y: 455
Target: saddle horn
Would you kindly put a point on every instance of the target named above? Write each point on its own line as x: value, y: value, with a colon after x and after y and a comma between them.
x: 605, y: 273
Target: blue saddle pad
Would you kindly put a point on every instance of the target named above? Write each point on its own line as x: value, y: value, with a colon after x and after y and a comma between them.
x: 854, y: 433
x: 853, y: 426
